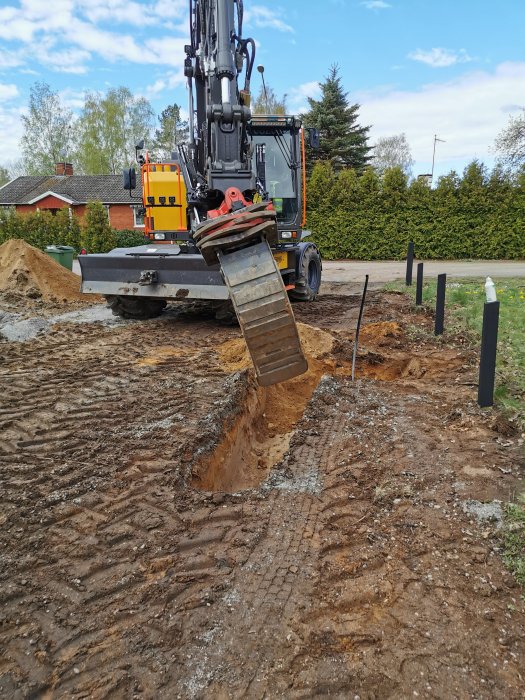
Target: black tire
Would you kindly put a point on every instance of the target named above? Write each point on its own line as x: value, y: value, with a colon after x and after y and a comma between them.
x: 225, y: 314
x: 308, y: 276
x: 135, y: 307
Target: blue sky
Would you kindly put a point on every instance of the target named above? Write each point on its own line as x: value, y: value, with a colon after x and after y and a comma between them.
x: 455, y: 68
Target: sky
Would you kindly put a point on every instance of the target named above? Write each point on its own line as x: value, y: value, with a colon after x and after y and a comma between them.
x: 455, y: 68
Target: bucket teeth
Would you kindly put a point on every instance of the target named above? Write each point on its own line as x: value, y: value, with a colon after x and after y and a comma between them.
x: 256, y: 289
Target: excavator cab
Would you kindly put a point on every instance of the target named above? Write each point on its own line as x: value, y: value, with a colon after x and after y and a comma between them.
x: 278, y: 139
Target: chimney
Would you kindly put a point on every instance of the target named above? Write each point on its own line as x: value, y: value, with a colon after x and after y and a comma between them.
x: 63, y: 168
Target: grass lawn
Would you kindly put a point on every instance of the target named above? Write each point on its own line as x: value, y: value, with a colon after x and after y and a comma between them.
x: 464, y: 313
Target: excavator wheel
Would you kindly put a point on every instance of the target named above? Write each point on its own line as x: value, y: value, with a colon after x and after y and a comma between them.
x: 135, y: 308
x: 308, y: 278
x: 225, y: 314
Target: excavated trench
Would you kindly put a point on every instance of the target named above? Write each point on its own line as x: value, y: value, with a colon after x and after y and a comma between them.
x: 260, y: 432
x: 257, y: 436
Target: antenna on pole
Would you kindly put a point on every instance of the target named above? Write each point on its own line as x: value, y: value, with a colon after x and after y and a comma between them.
x: 260, y: 68
x: 434, y: 155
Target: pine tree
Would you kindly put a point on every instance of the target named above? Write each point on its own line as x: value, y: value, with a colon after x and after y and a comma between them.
x: 343, y: 141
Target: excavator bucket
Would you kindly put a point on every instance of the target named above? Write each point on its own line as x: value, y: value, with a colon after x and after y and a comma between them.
x: 238, y: 241
x: 264, y: 312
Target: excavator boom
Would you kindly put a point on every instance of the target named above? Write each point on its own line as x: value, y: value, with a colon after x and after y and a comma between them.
x: 236, y: 234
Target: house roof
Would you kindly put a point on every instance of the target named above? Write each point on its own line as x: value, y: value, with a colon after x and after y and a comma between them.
x: 74, y: 189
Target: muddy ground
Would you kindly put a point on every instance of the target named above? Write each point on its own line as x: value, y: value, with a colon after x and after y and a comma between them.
x: 169, y: 530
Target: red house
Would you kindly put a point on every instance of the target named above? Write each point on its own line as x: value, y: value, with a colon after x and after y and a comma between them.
x: 64, y: 189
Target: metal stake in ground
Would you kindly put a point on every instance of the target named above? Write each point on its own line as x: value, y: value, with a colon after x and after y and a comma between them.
x: 410, y: 263
x: 358, y: 328
x: 440, y: 305
x: 419, y: 284
x: 487, y: 364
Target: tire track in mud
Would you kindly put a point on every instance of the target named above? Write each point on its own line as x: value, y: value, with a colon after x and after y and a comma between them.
x: 394, y: 615
x: 92, y: 499
x: 120, y: 580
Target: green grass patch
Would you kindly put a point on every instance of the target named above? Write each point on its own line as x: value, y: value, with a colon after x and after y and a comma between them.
x: 464, y: 314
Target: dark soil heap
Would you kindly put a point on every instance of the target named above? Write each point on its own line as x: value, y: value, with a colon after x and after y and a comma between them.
x: 27, y: 272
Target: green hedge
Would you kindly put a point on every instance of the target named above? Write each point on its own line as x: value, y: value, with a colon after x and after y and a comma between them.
x: 371, y: 218
x: 41, y: 228
x: 127, y: 238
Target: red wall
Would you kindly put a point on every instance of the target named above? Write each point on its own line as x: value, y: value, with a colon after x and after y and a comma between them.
x: 120, y: 215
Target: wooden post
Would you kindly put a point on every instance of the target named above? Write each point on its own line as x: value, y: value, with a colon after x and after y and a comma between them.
x: 419, y: 284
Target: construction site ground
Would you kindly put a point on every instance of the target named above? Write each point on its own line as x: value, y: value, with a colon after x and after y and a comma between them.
x: 170, y: 530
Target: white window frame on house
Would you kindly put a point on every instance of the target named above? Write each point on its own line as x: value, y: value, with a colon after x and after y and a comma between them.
x: 135, y: 224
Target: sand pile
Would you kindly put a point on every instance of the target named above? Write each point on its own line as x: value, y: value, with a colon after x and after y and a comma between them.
x: 316, y: 343
x: 27, y: 272
x: 384, y: 329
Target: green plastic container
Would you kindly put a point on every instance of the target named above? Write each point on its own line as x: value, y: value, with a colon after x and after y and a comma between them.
x: 63, y: 254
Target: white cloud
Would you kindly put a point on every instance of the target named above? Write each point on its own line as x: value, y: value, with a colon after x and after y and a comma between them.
x: 468, y: 112
x: 166, y: 50
x: 10, y: 59
x: 13, y: 27
x: 11, y: 131
x: 72, y: 25
x: 59, y: 58
x: 440, y: 58
x: 8, y: 92
x: 262, y: 16
x: 297, y: 96
x: 375, y: 4
x: 72, y: 99
x: 170, y: 81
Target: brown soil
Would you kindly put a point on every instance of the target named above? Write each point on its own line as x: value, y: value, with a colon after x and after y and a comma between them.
x: 27, y: 272
x: 258, y: 435
x: 349, y: 569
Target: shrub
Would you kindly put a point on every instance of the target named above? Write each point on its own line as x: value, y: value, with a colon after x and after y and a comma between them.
x: 97, y: 235
x: 41, y: 228
x: 127, y: 238
x: 70, y: 229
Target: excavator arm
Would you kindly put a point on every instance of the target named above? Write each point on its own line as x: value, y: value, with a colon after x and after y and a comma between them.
x: 232, y: 218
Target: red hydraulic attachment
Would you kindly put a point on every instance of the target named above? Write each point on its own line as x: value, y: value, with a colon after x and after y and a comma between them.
x: 238, y: 236
x: 235, y: 223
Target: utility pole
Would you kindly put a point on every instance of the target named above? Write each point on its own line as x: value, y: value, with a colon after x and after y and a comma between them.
x: 260, y: 68
x: 434, y: 155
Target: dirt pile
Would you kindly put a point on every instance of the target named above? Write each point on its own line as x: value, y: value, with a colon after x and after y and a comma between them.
x: 378, y: 331
x: 27, y: 272
x: 316, y: 343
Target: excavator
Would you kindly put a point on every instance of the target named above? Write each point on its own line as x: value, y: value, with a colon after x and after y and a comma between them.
x: 224, y: 216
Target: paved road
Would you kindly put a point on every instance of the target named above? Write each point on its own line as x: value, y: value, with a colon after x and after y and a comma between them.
x: 351, y: 271
x: 381, y: 272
